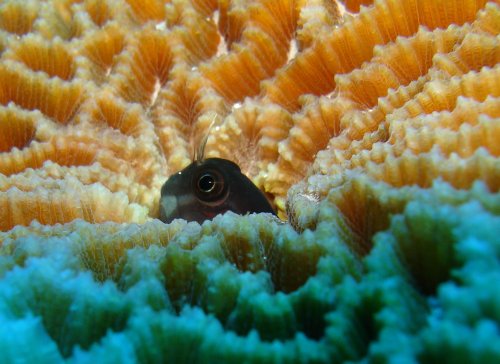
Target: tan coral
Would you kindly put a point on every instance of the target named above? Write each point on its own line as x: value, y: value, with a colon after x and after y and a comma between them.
x: 488, y: 20
x: 459, y: 147
x: 62, y: 19
x: 111, y: 111
x: 18, y: 18
x: 55, y: 98
x: 17, y: 128
x: 37, y: 54
x: 186, y: 108
x: 234, y: 85
x: 353, y: 44
x: 99, y: 11
x: 261, y: 48
x: 316, y: 19
x: 354, y: 5
x: 394, y: 66
x: 249, y: 136
x: 144, y: 67
x: 406, y: 66
x: 114, y: 96
x: 144, y: 11
x: 476, y: 51
x: 53, y: 206
x: 102, y: 48
x: 442, y: 94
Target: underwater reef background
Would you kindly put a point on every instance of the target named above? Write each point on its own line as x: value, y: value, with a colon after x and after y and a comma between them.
x: 372, y: 126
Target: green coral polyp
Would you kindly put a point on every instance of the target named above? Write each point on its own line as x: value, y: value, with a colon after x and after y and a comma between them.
x: 261, y: 291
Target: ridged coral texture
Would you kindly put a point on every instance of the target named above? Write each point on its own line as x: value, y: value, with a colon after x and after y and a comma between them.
x: 373, y: 126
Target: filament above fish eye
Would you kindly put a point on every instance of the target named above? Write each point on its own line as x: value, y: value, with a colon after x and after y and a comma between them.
x: 200, y: 151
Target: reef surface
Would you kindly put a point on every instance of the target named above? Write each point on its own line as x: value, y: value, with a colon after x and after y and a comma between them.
x: 373, y: 129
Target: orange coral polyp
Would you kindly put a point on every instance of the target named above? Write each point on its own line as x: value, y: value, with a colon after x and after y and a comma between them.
x: 17, y: 130
x: 52, y: 58
x: 118, y: 115
x: 145, y: 67
x: 18, y: 18
x: 99, y: 11
x: 146, y: 10
x: 102, y: 48
x: 54, y: 98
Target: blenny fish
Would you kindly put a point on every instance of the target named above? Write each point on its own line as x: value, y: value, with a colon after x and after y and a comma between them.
x: 208, y: 187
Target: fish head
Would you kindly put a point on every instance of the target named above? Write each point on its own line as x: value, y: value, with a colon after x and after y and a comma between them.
x: 207, y: 188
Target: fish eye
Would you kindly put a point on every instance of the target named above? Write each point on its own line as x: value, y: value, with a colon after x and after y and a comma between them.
x: 206, y: 183
x: 209, y: 186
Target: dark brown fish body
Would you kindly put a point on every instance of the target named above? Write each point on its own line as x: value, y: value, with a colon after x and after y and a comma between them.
x: 208, y: 188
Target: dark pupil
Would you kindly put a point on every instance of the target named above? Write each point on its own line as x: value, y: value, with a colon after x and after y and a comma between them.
x: 206, y: 183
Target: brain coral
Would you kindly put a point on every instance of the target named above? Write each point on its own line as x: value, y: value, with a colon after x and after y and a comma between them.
x: 373, y: 127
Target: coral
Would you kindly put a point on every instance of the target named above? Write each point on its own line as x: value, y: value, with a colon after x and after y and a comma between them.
x: 373, y: 127
x: 237, y: 287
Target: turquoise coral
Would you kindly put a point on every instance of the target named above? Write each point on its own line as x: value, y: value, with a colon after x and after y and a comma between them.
x: 252, y: 289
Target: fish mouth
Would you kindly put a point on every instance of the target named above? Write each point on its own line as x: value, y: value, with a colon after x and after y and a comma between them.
x: 180, y: 207
x: 169, y: 208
